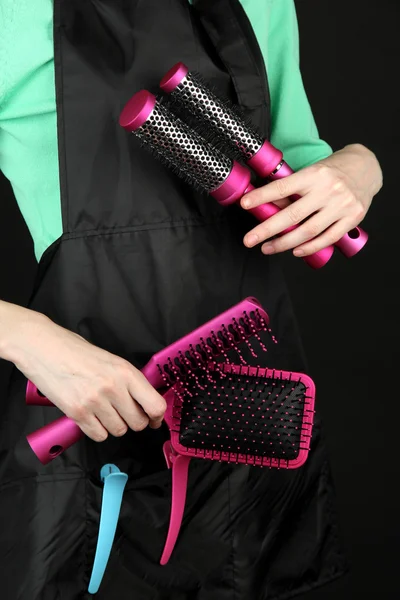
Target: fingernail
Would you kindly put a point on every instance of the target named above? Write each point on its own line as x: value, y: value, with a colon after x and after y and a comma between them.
x: 267, y: 249
x: 251, y: 239
x: 246, y: 203
x: 298, y: 252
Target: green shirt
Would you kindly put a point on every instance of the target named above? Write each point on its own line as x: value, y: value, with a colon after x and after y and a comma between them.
x: 28, y: 128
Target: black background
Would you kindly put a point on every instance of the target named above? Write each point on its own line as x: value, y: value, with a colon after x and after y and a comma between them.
x: 348, y: 310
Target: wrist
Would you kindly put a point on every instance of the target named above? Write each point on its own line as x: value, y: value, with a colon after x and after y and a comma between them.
x: 19, y: 328
x: 370, y: 163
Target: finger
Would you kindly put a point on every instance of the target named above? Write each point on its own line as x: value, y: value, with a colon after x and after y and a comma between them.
x: 298, y: 183
x: 328, y: 237
x: 91, y: 427
x: 152, y: 403
x: 111, y: 419
x: 308, y: 230
x: 288, y: 217
x: 131, y: 412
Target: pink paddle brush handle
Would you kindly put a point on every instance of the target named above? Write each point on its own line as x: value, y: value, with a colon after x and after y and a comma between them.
x: 180, y: 471
x: 34, y: 397
x: 351, y: 243
x: 50, y: 441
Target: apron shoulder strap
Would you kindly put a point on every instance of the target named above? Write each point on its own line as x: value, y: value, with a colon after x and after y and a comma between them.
x: 233, y: 37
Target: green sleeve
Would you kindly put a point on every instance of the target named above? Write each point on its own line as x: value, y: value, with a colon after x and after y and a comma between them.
x: 28, y: 121
x: 293, y: 129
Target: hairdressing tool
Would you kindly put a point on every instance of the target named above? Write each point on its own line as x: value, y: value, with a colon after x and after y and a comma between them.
x: 243, y: 415
x: 190, y: 93
x: 204, y: 166
x: 234, y: 334
x: 114, y: 484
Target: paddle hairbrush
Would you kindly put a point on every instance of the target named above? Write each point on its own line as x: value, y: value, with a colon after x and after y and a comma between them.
x: 190, y: 93
x: 205, y: 167
x: 242, y: 415
x: 236, y: 334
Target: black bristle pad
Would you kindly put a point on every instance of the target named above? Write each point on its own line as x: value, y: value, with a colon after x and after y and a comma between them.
x: 259, y: 416
x: 181, y: 148
x: 216, y: 117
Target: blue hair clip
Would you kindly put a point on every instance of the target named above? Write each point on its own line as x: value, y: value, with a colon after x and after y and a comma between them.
x: 114, y: 485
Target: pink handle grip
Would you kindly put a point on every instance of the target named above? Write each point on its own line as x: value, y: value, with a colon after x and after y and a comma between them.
x: 34, y: 397
x: 351, y: 243
x: 50, y: 441
x: 180, y: 472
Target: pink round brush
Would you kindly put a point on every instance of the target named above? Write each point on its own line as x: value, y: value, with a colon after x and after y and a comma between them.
x: 190, y: 93
x: 172, y: 141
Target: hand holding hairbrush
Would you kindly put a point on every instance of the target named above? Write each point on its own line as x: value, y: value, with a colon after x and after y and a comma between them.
x: 205, y: 167
x: 191, y: 94
x: 235, y: 334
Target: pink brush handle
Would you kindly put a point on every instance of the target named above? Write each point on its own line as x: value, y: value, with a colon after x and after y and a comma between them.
x: 351, y: 243
x: 50, y: 441
x: 180, y: 473
x: 34, y: 397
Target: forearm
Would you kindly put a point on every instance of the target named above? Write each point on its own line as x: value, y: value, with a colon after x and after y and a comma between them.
x: 18, y: 327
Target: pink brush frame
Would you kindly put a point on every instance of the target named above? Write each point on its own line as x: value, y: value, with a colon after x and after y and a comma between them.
x: 51, y: 440
x: 174, y: 404
x: 178, y: 457
x: 266, y: 162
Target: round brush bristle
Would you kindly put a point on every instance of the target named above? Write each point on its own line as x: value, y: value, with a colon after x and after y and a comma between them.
x: 179, y: 147
x: 221, y: 122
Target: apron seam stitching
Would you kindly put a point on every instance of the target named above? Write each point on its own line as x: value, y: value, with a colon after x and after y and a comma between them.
x: 144, y: 227
x: 41, y: 479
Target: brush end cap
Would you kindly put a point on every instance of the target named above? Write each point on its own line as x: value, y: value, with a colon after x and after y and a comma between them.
x: 137, y: 110
x: 352, y: 242
x: 174, y: 77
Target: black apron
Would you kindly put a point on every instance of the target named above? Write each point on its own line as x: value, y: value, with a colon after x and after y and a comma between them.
x: 142, y: 261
